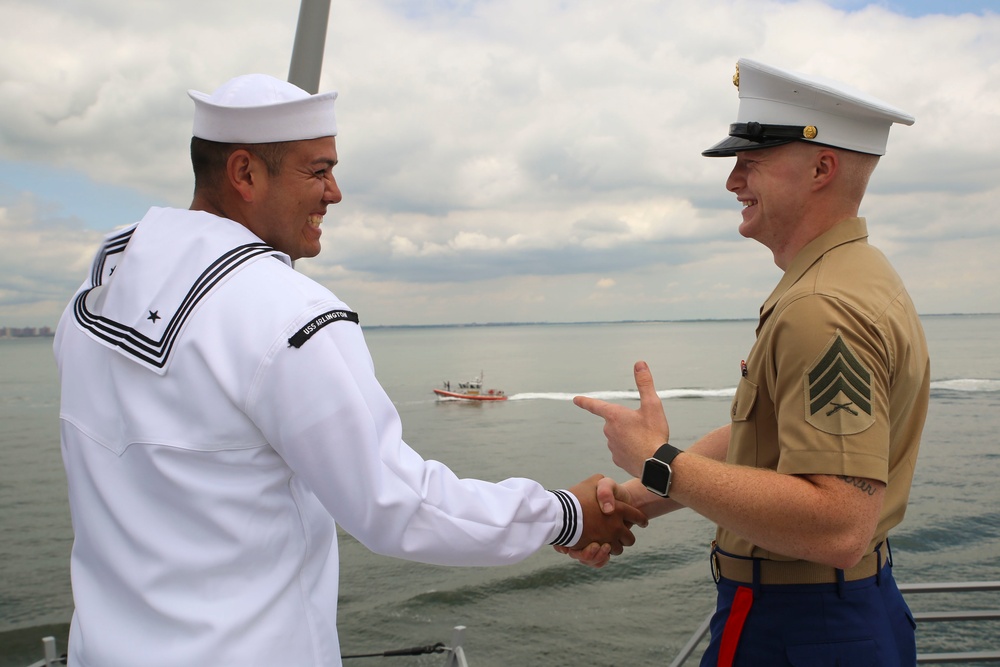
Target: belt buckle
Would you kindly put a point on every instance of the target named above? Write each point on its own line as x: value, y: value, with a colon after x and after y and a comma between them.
x: 713, y: 559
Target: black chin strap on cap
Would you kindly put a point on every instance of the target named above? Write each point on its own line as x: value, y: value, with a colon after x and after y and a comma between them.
x: 761, y: 133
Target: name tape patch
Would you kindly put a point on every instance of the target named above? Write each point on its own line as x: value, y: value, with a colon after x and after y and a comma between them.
x: 308, y: 330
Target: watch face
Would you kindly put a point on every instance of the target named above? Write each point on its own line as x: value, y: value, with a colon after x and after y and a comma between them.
x: 656, y: 476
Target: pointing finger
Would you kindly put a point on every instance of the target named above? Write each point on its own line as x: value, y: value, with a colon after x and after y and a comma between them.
x: 591, y: 405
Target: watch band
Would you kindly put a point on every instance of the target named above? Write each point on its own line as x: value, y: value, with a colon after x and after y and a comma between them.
x: 666, y: 453
x: 657, y: 472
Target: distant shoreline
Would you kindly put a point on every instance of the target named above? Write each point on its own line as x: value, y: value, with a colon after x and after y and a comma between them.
x: 46, y: 332
x: 17, y: 333
x: 606, y: 322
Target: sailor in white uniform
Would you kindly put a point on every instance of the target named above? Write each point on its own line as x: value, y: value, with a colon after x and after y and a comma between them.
x: 220, y: 415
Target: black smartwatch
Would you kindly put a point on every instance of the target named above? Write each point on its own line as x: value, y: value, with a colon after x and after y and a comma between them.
x: 657, y: 473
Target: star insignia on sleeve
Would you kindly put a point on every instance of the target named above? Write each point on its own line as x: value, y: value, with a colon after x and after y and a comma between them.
x: 154, y: 315
x: 838, y: 390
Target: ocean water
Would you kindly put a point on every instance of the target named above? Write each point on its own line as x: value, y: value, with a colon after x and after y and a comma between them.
x: 546, y: 610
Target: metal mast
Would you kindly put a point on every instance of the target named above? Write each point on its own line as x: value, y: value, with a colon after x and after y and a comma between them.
x: 310, y: 40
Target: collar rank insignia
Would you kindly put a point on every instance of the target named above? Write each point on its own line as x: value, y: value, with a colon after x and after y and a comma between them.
x: 838, y: 391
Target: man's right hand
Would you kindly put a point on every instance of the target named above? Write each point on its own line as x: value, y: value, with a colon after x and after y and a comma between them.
x: 610, y: 496
x: 612, y: 529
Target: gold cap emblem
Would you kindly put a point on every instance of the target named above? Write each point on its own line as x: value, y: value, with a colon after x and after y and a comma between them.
x: 810, y: 132
x: 736, y: 77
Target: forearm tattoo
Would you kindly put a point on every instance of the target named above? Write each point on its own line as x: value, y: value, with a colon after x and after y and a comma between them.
x: 860, y: 483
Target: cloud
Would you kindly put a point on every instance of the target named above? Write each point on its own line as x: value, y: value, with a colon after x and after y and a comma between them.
x: 51, y: 255
x: 498, y: 159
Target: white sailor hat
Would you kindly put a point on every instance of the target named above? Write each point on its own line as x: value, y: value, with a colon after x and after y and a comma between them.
x: 778, y: 106
x: 259, y: 109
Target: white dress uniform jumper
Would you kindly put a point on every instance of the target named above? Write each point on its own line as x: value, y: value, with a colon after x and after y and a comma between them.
x: 220, y: 416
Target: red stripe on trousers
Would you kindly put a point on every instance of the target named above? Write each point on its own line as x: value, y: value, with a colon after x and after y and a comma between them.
x: 742, y: 602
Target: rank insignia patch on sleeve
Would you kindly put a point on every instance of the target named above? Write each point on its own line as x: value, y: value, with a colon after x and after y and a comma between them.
x: 838, y: 391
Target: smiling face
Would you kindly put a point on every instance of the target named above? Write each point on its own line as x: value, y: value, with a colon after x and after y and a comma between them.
x: 772, y: 184
x: 289, y: 206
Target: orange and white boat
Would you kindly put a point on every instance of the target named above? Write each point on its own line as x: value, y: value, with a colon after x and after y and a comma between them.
x: 470, y: 391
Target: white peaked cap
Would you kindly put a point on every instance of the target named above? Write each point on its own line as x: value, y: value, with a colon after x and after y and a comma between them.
x: 260, y: 109
x: 778, y: 106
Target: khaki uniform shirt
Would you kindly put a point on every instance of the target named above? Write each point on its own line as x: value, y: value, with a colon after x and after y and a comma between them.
x: 838, y: 379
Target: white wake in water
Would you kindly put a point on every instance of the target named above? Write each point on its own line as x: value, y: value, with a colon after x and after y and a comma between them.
x: 968, y: 385
x: 625, y: 395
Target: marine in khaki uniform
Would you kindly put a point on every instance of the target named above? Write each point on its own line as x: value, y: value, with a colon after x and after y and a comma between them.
x: 837, y: 382
x: 815, y: 466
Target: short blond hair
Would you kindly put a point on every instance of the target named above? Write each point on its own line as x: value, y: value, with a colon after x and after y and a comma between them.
x: 857, y: 170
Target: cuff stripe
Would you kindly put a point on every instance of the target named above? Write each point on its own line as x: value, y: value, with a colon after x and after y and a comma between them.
x: 570, y: 520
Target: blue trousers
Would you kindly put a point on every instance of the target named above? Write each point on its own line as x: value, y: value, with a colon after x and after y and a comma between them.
x: 852, y: 624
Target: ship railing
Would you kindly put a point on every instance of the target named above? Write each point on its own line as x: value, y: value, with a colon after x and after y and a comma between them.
x: 925, y: 658
x: 455, y: 653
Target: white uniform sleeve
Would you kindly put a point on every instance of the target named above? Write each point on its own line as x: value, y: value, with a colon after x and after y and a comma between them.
x: 322, y: 409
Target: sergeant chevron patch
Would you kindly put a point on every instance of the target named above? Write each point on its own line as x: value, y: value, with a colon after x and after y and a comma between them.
x: 838, y: 391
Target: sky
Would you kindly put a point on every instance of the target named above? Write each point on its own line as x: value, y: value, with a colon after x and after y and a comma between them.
x: 503, y: 160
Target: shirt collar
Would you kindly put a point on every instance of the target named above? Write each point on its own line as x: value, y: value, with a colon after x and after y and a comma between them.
x: 845, y: 231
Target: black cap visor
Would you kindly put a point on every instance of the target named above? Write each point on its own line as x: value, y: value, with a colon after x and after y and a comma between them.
x: 730, y: 146
x: 752, y: 136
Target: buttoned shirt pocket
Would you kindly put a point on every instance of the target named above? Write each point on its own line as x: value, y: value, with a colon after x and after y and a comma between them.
x: 744, y: 426
x: 743, y: 401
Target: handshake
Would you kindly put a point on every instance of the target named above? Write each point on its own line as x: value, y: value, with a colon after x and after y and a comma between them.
x: 609, y: 509
x: 608, y: 518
